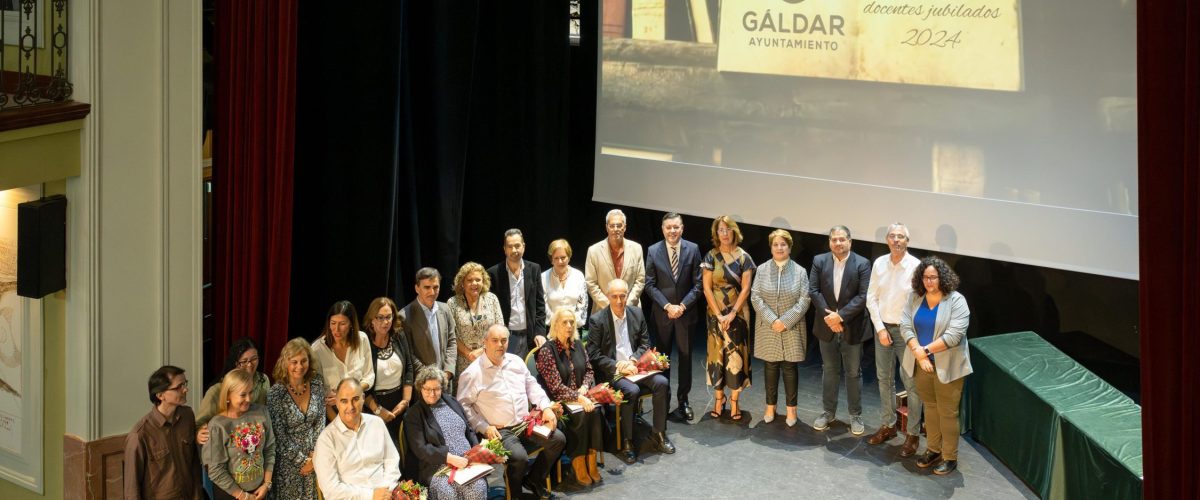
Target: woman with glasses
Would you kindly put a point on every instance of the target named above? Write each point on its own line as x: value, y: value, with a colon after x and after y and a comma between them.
x: 439, y: 435
x: 474, y: 309
x: 934, y: 326
x: 393, y: 366
x: 296, y: 404
x: 564, y: 286
x: 728, y: 273
x: 243, y: 355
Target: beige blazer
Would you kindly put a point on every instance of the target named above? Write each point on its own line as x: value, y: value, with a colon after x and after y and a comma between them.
x: 599, y: 270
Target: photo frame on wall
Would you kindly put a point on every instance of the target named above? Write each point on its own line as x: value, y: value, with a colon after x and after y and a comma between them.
x: 22, y: 401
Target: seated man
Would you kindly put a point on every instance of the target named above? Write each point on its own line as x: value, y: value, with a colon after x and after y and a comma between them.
x: 354, y: 457
x: 616, y: 339
x: 495, y: 392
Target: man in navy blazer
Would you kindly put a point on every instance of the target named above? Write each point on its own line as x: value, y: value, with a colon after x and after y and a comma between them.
x: 617, y: 337
x: 838, y: 285
x: 517, y: 284
x: 673, y: 282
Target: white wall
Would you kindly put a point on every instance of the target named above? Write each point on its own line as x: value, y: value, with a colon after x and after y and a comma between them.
x: 134, y: 243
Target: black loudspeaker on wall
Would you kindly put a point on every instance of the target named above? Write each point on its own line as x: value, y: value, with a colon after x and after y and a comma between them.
x: 42, y: 246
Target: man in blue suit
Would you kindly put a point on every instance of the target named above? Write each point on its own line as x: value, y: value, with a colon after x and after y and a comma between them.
x: 838, y: 285
x: 673, y: 282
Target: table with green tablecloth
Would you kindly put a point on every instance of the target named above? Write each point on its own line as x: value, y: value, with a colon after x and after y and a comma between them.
x: 1058, y: 426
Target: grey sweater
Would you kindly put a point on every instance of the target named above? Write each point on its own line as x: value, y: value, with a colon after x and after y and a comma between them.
x: 240, y: 451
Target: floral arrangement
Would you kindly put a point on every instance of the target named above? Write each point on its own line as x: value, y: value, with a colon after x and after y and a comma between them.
x: 651, y: 360
x: 605, y: 394
x: 488, y: 451
x: 409, y: 490
x: 533, y: 419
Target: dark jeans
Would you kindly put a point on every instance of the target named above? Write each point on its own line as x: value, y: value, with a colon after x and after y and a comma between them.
x: 655, y: 384
x: 518, y: 342
x: 679, y: 334
x: 789, y: 381
x: 840, y: 357
x: 518, y: 463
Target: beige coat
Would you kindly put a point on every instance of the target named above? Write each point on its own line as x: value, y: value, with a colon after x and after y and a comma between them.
x: 600, y: 270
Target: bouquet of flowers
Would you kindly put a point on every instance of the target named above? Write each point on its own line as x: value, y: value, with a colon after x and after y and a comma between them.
x: 533, y: 419
x: 488, y: 451
x: 651, y: 360
x: 605, y: 394
x: 409, y: 490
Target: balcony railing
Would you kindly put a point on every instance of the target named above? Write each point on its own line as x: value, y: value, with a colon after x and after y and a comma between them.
x: 34, y: 59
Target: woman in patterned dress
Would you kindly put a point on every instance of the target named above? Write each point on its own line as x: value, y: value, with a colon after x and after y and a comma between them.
x: 780, y: 299
x: 436, y: 429
x: 728, y: 271
x: 474, y: 309
x: 296, y: 404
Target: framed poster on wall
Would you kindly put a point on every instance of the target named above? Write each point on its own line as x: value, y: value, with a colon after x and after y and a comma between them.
x: 21, y: 396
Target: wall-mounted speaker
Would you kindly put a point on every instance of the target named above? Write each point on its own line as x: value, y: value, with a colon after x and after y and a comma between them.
x: 42, y: 246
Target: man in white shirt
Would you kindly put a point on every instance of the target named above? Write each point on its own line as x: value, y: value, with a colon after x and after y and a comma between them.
x: 354, y: 458
x: 496, y: 391
x: 614, y: 258
x: 891, y: 284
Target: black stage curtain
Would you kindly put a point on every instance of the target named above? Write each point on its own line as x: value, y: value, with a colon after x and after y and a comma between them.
x: 424, y: 130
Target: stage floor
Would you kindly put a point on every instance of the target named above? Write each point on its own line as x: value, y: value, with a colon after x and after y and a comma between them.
x: 752, y: 459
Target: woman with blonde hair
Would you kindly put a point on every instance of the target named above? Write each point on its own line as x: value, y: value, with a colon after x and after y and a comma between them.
x: 564, y: 286
x: 240, y: 453
x: 296, y: 404
x: 474, y: 309
x: 566, y: 373
x: 728, y: 271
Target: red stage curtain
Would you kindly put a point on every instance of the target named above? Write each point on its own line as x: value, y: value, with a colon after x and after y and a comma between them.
x: 1169, y: 193
x: 252, y: 175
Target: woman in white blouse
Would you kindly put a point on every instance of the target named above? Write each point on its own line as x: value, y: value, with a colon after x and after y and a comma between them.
x: 343, y: 349
x: 564, y: 285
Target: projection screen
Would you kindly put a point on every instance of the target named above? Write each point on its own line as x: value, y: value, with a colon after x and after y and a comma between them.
x: 1003, y: 129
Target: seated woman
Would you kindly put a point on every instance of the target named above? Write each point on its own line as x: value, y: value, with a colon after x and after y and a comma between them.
x: 563, y: 365
x: 354, y: 458
x: 437, y: 432
x: 296, y: 404
x: 240, y: 454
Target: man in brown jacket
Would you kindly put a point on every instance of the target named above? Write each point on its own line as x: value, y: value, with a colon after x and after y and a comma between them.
x: 161, y: 457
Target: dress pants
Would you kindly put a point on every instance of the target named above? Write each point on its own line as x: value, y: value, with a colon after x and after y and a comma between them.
x: 678, y: 333
x: 520, y: 445
x: 941, y: 408
x: 771, y: 371
x: 840, y: 357
x: 655, y: 384
x: 886, y: 358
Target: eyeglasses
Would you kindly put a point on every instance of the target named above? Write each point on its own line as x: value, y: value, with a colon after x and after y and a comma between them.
x: 724, y: 230
x: 431, y: 391
x: 381, y: 318
x: 179, y: 387
x: 248, y: 362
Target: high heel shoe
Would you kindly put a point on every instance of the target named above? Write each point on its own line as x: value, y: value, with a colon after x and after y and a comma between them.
x: 791, y: 418
x: 735, y: 412
x: 718, y: 406
x: 769, y: 416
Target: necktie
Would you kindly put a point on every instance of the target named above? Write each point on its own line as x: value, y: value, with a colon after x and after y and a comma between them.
x: 674, y: 262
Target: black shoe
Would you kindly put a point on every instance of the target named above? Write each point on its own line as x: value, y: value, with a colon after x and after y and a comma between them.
x: 539, y: 490
x: 946, y: 467
x: 628, y: 453
x: 663, y: 443
x: 687, y: 411
x: 929, y: 458
x: 682, y: 414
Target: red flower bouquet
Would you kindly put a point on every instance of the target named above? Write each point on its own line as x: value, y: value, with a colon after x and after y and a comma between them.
x: 651, y: 360
x: 605, y: 394
x: 409, y: 490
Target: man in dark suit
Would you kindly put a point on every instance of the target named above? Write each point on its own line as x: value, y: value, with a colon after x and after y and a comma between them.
x: 673, y: 282
x: 517, y: 284
x: 617, y: 337
x: 838, y: 285
x: 429, y: 326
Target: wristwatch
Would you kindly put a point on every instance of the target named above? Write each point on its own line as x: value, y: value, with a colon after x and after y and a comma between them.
x: 927, y: 353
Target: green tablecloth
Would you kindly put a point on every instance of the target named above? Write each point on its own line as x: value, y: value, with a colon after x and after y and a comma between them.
x: 1058, y: 426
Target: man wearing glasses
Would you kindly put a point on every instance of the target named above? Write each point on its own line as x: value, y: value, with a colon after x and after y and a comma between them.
x: 161, y: 457
x: 614, y: 258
